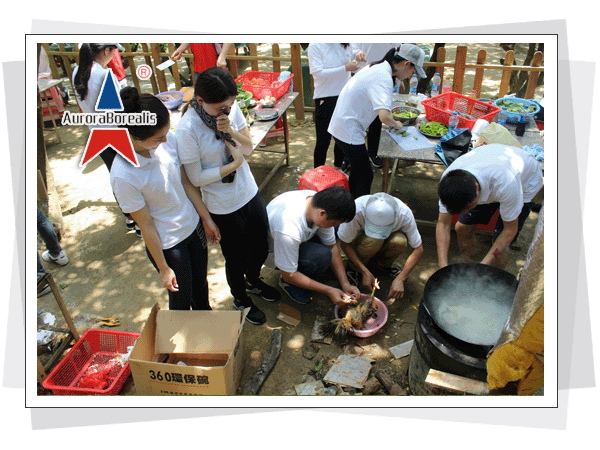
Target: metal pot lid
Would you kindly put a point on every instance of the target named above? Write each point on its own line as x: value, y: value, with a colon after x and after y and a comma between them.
x: 470, y: 301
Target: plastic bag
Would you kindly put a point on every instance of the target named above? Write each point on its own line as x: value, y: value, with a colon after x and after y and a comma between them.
x: 453, y: 144
x: 497, y: 134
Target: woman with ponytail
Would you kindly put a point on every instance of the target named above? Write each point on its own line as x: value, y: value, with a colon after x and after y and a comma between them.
x: 366, y: 96
x: 212, y: 139
x: 88, y: 78
x: 169, y: 210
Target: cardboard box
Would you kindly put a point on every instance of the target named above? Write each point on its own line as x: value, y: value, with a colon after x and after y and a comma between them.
x: 209, y: 343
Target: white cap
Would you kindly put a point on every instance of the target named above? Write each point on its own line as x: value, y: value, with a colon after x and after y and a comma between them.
x: 380, y: 215
x: 415, y: 55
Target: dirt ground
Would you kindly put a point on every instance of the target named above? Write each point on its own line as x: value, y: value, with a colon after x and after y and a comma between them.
x: 109, y: 274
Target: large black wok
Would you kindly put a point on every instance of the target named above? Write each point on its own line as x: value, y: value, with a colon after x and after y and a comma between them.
x: 470, y: 301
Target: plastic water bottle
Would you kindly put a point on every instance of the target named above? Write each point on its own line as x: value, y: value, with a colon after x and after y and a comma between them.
x: 502, y: 116
x: 435, y: 85
x: 412, y: 95
x: 520, y: 131
x: 414, y: 81
x: 473, y: 94
x: 453, y: 121
x: 447, y: 85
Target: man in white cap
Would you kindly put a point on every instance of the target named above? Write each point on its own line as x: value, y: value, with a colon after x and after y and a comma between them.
x: 378, y: 234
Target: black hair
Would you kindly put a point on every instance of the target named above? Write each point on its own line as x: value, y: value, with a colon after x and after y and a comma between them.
x: 456, y: 190
x: 87, y: 54
x: 392, y: 58
x: 214, y: 85
x: 134, y: 102
x: 337, y: 202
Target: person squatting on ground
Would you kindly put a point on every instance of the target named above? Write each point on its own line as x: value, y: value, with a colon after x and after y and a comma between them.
x: 366, y: 96
x: 88, y: 78
x: 169, y: 210
x: 212, y: 139
x: 377, y: 236
x: 53, y: 253
x: 302, y: 242
x: 331, y: 66
x: 475, y: 185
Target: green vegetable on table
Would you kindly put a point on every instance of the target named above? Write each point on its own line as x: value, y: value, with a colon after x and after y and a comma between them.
x: 434, y: 128
x: 406, y: 114
x: 516, y: 107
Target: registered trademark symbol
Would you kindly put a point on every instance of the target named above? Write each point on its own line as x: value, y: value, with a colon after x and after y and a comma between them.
x: 144, y: 72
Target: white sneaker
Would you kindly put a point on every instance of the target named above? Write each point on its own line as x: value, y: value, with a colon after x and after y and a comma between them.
x: 61, y: 259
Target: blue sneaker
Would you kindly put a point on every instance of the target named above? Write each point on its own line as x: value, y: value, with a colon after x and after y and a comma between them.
x: 298, y: 294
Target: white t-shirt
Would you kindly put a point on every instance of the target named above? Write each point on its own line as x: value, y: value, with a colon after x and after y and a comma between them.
x: 288, y: 228
x: 367, y: 92
x: 507, y: 175
x: 327, y: 66
x: 156, y: 184
x: 204, y: 154
x: 405, y: 222
x: 97, y: 76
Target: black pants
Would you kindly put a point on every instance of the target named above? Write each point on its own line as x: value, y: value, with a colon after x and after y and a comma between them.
x: 108, y: 156
x: 361, y: 175
x: 244, y: 243
x: 373, y: 137
x: 189, y: 260
x: 324, y: 108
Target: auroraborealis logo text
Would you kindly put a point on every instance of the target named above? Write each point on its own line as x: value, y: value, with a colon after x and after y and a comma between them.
x: 109, y: 114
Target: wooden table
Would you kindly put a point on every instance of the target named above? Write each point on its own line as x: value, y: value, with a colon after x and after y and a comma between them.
x: 260, y: 128
x: 390, y: 151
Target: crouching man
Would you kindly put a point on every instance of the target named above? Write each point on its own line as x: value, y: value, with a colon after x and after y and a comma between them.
x: 475, y: 185
x: 302, y: 242
x: 380, y: 232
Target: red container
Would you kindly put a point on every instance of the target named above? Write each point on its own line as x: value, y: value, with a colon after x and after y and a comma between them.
x: 323, y: 177
x: 490, y: 226
x: 440, y: 108
x: 262, y: 84
x: 95, y: 349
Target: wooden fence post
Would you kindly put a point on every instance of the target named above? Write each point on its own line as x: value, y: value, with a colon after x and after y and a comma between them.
x: 276, y: 64
x: 459, y: 68
x: 533, y: 76
x: 509, y: 60
x: 175, y: 72
x: 132, y: 68
x: 297, y: 71
x: 479, y: 73
x: 149, y: 63
x: 253, y: 53
x: 160, y: 75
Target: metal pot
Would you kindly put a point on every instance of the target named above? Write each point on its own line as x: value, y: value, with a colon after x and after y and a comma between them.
x: 470, y: 301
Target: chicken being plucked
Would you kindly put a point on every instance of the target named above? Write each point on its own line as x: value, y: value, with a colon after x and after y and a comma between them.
x: 355, y: 317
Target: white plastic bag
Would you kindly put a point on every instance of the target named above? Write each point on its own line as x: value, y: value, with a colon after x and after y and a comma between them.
x: 497, y: 134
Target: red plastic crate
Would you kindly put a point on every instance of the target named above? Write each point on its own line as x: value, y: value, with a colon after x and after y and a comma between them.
x: 94, y: 347
x: 440, y: 108
x: 323, y: 177
x: 264, y: 85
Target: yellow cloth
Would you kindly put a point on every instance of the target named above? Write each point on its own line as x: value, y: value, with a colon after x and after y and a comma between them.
x: 517, y: 361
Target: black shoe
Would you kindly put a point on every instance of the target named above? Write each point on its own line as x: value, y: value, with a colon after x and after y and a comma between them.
x: 345, y: 166
x: 259, y: 287
x: 376, y: 161
x: 255, y: 316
